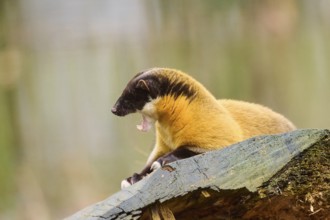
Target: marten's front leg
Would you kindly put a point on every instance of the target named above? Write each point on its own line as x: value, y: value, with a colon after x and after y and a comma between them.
x: 136, y: 177
x: 178, y: 154
x: 157, y: 152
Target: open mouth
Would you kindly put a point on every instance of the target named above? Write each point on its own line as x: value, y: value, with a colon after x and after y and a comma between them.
x: 146, y: 124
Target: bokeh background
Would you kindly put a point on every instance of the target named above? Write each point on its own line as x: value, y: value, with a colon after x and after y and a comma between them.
x: 63, y: 64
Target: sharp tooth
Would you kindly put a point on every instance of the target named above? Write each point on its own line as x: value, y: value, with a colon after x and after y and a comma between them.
x: 145, y: 125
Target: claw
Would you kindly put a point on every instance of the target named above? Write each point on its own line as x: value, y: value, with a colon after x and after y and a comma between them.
x: 124, y: 184
x: 155, y: 165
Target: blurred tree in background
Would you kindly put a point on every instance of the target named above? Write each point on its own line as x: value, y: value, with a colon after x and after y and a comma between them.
x: 64, y: 63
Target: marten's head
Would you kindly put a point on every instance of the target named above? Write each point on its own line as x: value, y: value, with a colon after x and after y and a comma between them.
x: 147, y: 87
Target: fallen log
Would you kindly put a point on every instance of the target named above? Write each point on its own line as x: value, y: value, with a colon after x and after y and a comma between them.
x: 285, y: 176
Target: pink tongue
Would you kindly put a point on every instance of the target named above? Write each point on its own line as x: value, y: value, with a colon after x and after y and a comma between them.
x: 145, y: 124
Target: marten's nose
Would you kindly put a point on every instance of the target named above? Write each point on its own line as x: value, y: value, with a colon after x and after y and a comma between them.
x: 114, y: 110
x: 120, y: 110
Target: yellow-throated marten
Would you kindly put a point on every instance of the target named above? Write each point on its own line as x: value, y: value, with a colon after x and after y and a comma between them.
x: 188, y: 118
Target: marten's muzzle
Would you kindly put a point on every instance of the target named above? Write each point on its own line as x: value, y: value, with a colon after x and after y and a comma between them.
x: 122, y: 108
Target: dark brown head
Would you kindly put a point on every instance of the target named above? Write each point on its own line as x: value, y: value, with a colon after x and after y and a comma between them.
x: 140, y: 90
x: 149, y: 85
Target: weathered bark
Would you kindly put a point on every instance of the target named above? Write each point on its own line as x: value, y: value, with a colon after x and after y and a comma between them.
x: 278, y: 176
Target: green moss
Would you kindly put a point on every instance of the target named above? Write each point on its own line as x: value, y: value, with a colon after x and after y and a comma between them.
x: 305, y: 180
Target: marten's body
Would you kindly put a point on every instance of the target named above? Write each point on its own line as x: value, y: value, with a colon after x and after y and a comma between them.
x: 188, y: 118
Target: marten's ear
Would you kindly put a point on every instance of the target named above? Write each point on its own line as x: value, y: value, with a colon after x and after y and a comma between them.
x: 142, y: 84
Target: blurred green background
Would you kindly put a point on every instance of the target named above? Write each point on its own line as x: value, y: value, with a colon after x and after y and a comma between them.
x: 63, y: 64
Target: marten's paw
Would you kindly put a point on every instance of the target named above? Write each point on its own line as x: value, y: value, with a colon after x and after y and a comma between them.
x: 155, y: 165
x: 163, y: 161
x: 178, y: 154
x: 124, y: 184
x: 133, y: 179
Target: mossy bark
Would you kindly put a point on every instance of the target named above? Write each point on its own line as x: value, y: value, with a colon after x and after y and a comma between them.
x: 300, y: 190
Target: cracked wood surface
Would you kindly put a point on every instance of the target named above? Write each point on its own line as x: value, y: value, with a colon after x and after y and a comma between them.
x: 242, y: 166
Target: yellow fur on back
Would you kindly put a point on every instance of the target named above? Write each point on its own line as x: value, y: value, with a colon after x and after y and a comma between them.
x: 256, y: 119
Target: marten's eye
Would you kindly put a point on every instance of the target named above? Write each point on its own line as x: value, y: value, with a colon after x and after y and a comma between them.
x: 131, y: 97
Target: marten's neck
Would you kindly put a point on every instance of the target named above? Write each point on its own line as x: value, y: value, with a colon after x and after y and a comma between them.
x: 179, y: 112
x: 170, y: 109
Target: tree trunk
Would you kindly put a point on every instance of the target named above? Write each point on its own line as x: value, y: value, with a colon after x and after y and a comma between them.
x: 284, y: 176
